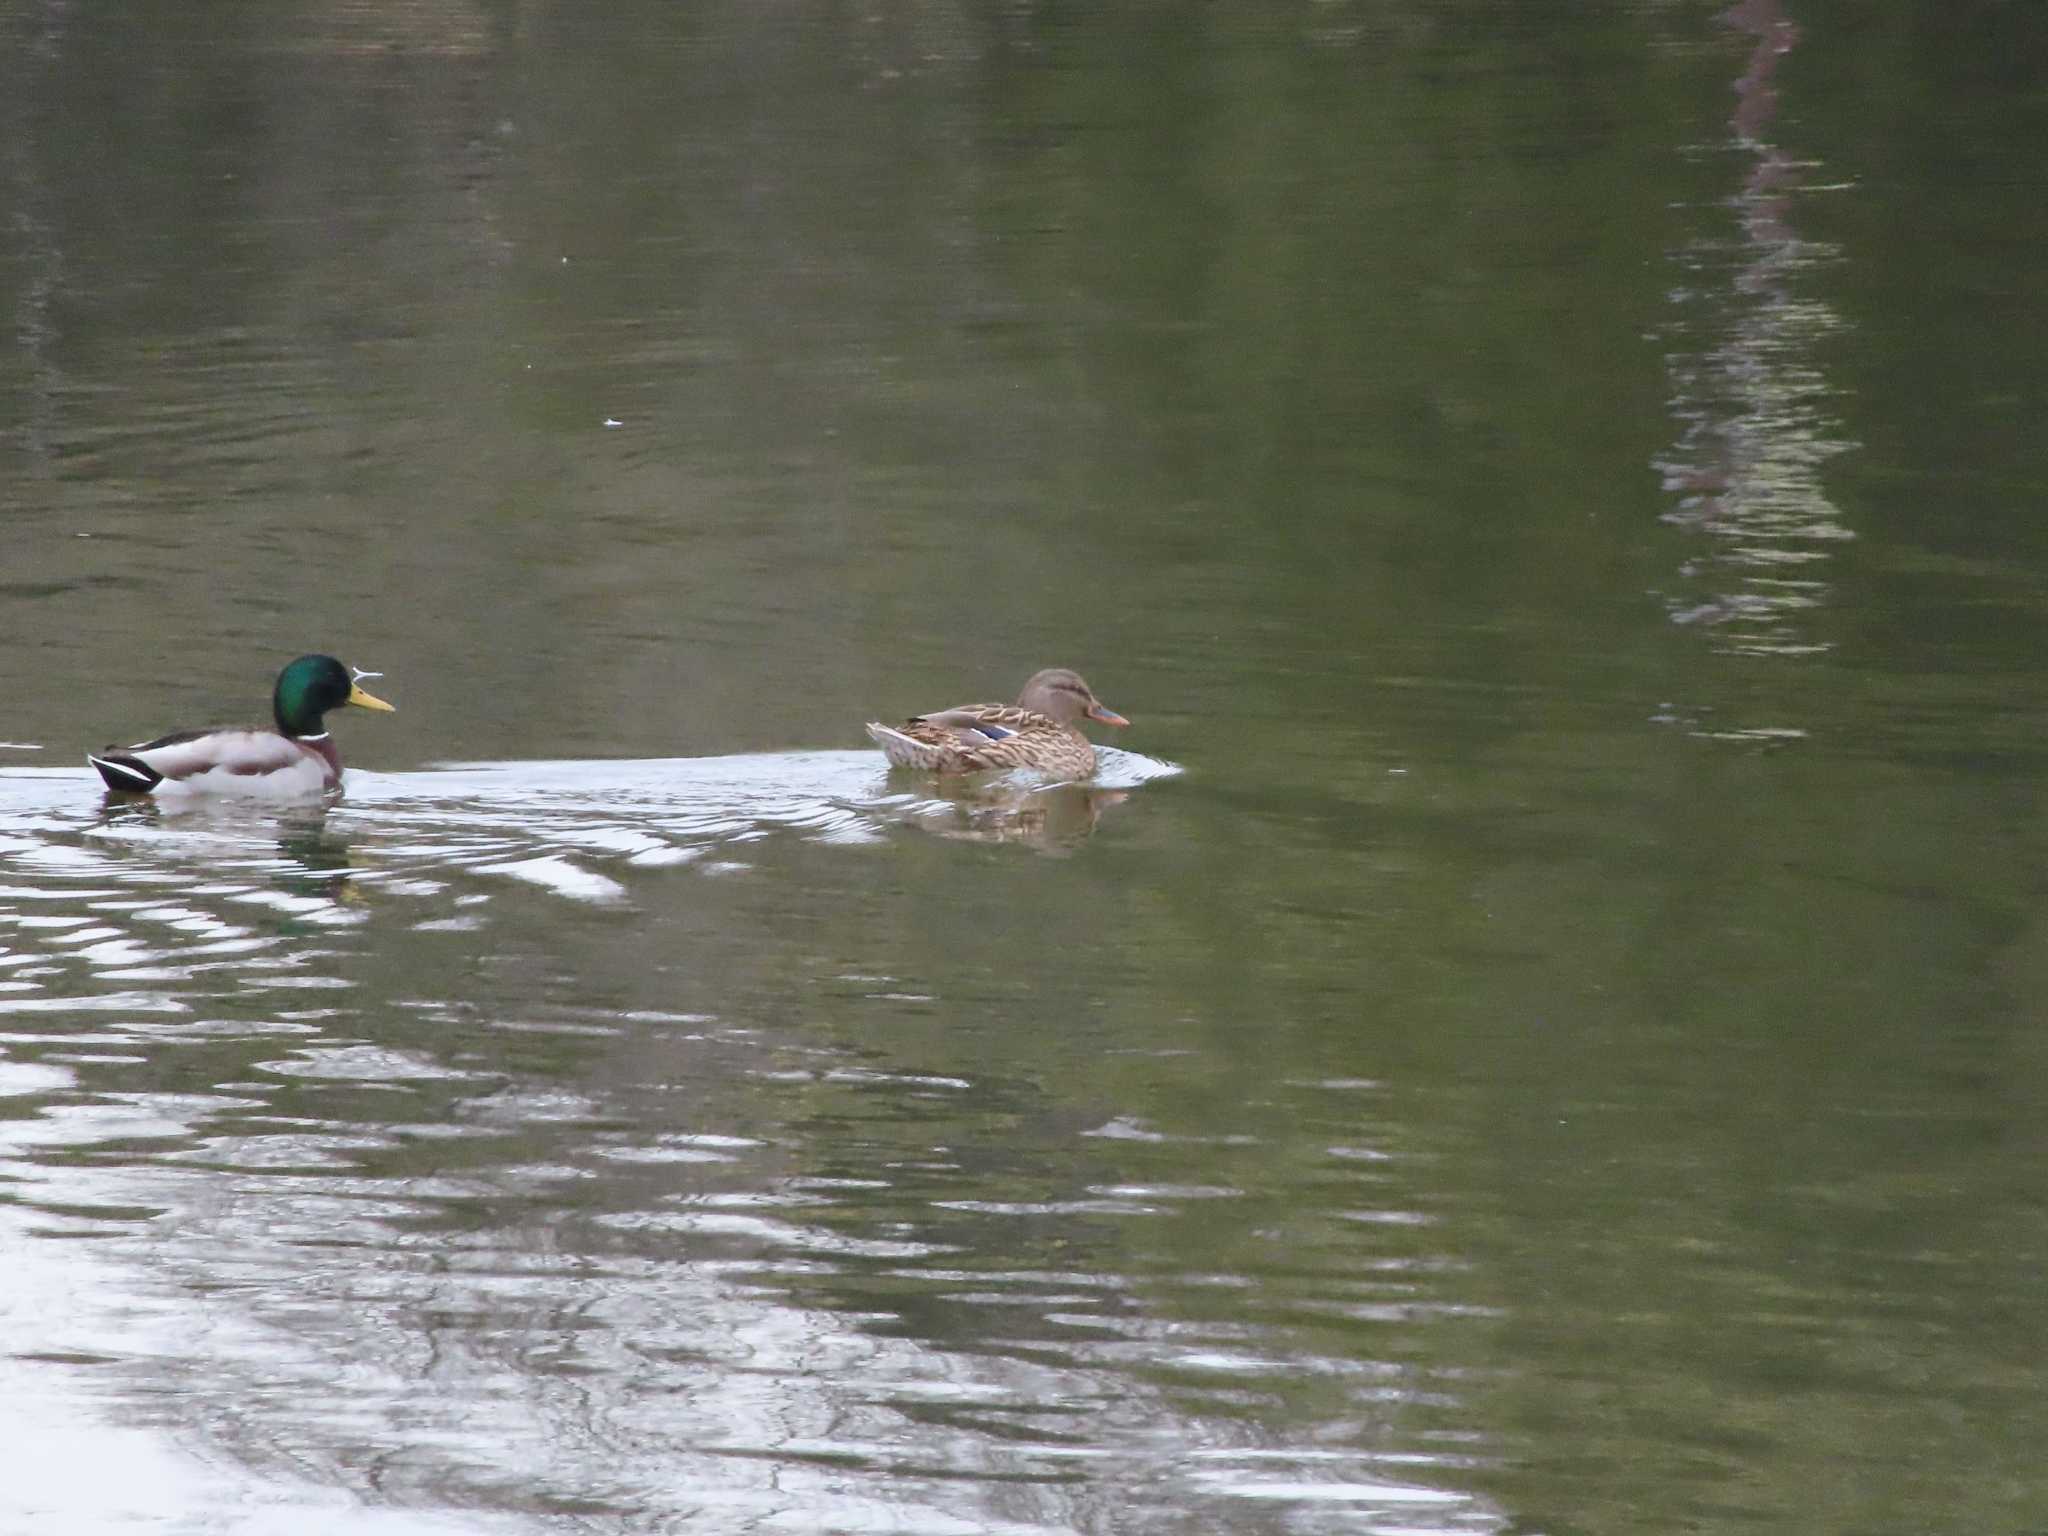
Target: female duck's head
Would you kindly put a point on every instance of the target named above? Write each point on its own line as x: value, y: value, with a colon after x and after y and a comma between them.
x: 1064, y: 695
x: 313, y: 685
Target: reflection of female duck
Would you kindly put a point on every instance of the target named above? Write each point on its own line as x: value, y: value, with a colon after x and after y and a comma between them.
x: 1053, y: 818
x: 296, y: 759
x: 1039, y: 731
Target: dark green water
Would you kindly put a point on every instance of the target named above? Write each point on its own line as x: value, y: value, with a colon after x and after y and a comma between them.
x: 1540, y: 1030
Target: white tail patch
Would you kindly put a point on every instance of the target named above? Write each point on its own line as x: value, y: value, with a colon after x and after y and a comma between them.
x: 904, y: 751
x: 137, y: 777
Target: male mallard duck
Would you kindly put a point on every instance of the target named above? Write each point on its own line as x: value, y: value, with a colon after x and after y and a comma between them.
x: 296, y: 759
x: 1038, y: 731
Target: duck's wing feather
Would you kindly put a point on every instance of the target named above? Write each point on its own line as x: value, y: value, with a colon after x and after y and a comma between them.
x: 952, y: 740
x: 978, y: 738
x: 975, y: 724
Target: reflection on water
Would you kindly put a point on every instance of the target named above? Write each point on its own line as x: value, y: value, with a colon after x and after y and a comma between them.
x: 551, y: 824
x: 1754, y: 410
x: 347, y: 1201
x: 1051, y: 817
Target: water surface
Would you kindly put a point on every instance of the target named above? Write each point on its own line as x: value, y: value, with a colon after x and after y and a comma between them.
x: 1537, y: 1028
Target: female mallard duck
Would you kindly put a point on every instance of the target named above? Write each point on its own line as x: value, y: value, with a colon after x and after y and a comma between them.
x: 1037, y: 732
x: 296, y: 759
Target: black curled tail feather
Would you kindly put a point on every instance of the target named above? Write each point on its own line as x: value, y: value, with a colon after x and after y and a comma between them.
x: 123, y: 772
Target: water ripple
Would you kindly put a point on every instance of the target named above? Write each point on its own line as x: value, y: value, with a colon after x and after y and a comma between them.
x: 474, y: 1240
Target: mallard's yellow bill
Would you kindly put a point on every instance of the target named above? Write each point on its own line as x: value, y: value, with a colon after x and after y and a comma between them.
x: 363, y: 699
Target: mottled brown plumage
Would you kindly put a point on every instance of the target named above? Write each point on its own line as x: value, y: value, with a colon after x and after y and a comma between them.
x: 1039, y: 732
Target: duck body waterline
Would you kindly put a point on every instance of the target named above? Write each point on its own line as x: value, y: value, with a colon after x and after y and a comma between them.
x: 295, y: 760
x: 1040, y: 732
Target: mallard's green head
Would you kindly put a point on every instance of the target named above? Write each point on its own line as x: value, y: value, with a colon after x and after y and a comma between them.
x: 313, y: 685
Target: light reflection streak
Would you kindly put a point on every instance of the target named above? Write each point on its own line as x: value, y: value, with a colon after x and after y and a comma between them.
x: 366, y: 1224
x: 1754, y: 411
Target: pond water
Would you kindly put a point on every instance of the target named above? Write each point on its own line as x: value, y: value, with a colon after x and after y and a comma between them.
x: 1537, y: 1026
